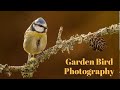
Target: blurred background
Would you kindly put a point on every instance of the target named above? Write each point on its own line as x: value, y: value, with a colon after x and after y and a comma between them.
x: 13, y: 24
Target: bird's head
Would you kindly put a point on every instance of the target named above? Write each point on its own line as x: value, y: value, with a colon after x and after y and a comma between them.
x: 40, y: 25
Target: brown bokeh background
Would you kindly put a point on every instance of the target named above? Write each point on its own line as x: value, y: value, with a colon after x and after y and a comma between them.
x: 14, y: 23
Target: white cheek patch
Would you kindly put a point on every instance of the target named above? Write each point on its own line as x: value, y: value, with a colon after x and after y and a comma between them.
x: 38, y: 28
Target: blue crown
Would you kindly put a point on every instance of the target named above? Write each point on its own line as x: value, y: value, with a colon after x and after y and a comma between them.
x: 40, y: 21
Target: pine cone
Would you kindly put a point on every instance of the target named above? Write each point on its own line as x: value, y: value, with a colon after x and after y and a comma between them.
x: 97, y: 43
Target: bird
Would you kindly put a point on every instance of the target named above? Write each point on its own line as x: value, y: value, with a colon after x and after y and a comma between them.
x: 35, y: 37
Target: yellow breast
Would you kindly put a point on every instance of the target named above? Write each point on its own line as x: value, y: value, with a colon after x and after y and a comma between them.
x: 31, y: 40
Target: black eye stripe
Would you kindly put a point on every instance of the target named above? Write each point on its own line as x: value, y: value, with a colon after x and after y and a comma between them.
x: 37, y: 31
x: 40, y: 26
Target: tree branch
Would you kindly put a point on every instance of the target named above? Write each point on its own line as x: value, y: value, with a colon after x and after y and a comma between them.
x: 30, y: 66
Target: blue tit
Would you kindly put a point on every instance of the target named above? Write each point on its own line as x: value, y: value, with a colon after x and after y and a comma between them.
x: 35, y: 37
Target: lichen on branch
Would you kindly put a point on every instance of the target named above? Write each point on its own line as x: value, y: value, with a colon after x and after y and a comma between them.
x: 27, y: 70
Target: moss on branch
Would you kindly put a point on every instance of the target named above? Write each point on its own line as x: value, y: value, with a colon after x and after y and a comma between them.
x: 27, y: 70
